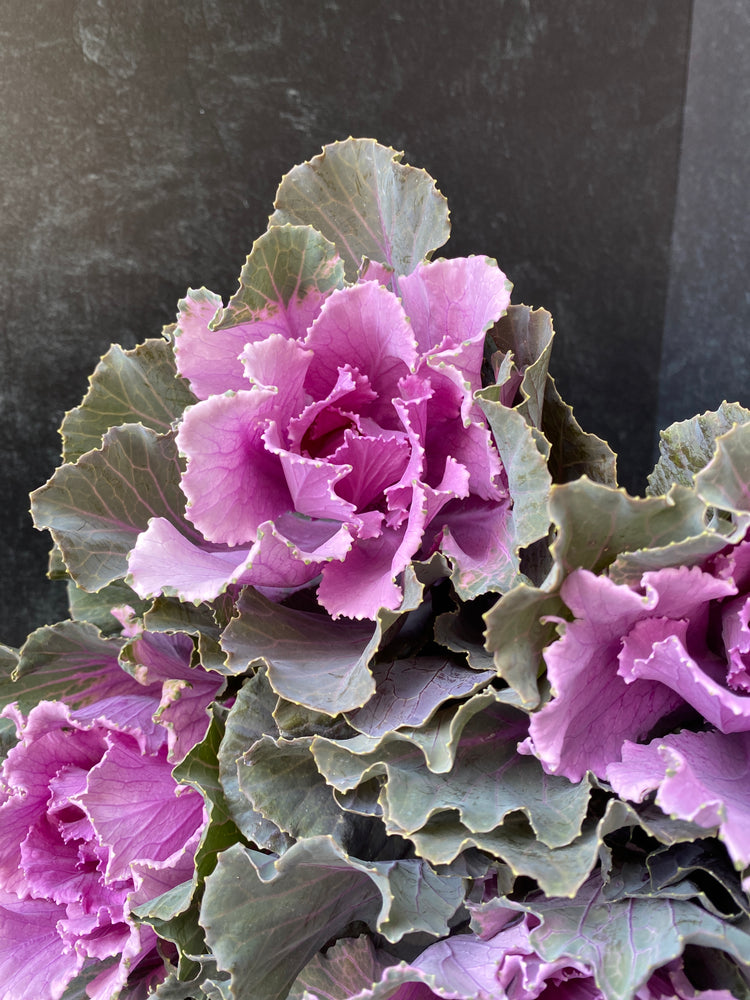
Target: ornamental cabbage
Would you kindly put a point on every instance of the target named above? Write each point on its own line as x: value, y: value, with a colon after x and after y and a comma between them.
x: 335, y: 436
x: 93, y: 824
x: 640, y: 660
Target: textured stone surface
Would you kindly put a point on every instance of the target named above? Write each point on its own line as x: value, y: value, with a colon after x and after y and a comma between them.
x: 706, y: 357
x: 142, y: 144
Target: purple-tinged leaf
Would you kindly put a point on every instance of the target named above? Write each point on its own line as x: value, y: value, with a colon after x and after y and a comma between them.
x: 187, y: 690
x: 350, y: 966
x: 96, y: 508
x: 358, y: 194
x: 409, y: 691
x: 287, y: 276
x: 624, y: 942
x: 593, y: 710
x: 138, y: 386
x: 700, y: 777
x: 69, y: 660
x: 655, y: 650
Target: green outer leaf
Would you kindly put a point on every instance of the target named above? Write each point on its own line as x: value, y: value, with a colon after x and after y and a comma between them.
x: 519, y: 627
x: 488, y: 781
x: 61, y: 661
x: 265, y: 919
x: 725, y: 481
x: 359, y: 196
x: 350, y: 963
x: 96, y: 508
x: 597, y: 524
x: 574, y: 452
x: 311, y: 660
x: 624, y: 942
x: 527, y: 335
x: 688, y: 446
x: 200, y: 768
x: 97, y: 608
x: 692, y: 870
x: 8, y: 737
x: 249, y: 718
x: 138, y: 386
x: 600, y: 529
x: 345, y: 971
x: 8, y: 661
x: 280, y: 780
x: 285, y: 264
x: 76, y: 988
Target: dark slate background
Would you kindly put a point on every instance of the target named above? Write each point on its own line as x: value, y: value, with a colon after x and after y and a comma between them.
x: 142, y: 144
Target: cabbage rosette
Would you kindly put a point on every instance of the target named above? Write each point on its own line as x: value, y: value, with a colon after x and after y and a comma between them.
x: 648, y: 677
x: 342, y: 441
x: 93, y: 823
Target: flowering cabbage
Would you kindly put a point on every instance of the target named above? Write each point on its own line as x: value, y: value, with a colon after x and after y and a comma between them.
x: 335, y: 436
x: 382, y: 427
x: 93, y: 823
x: 672, y: 648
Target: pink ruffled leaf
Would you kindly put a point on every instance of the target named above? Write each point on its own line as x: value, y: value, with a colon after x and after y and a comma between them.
x: 232, y: 483
x: 452, y: 302
x: 365, y: 327
x: 208, y: 360
x: 699, y: 777
x: 277, y: 363
x: 137, y: 809
x: 593, y: 711
x: 366, y: 580
x: 655, y: 650
x: 275, y: 562
x: 32, y: 961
